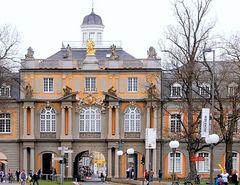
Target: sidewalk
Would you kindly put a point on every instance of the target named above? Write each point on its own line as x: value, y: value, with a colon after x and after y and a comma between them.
x: 138, y: 182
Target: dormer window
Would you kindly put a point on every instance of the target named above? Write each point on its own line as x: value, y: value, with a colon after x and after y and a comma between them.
x: 232, y: 89
x: 204, y: 90
x: 176, y: 90
x: 5, y: 91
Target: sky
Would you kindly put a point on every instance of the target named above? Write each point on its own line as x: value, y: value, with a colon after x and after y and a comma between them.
x: 138, y: 24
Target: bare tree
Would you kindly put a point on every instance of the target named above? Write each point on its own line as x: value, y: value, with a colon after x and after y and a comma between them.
x: 183, y: 49
x: 9, y: 42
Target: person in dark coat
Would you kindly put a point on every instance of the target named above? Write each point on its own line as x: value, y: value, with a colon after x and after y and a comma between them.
x: 35, y: 178
x: 234, y: 178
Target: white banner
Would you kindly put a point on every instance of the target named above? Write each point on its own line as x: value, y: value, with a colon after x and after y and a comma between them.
x: 151, y: 134
x: 205, y: 122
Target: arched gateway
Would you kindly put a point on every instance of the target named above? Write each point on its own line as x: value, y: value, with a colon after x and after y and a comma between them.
x: 89, y: 165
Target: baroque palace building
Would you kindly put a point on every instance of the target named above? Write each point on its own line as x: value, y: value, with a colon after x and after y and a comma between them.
x: 86, y: 102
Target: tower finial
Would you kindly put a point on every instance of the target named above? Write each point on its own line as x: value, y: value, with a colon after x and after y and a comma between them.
x: 92, y: 5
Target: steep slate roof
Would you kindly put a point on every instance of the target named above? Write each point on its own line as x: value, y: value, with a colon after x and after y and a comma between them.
x: 101, y: 53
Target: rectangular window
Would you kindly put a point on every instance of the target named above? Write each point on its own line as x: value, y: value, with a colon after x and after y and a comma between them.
x: 90, y: 84
x: 48, y: 85
x: 176, y: 91
x: 175, y: 123
x: 5, y: 123
x: 177, y: 164
x: 91, y: 35
x: 234, y: 161
x: 132, y: 84
x: 5, y: 91
x: 204, y: 91
x: 231, y: 91
x: 203, y: 166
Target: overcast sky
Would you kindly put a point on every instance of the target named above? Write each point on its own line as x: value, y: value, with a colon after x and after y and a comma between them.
x: 139, y: 24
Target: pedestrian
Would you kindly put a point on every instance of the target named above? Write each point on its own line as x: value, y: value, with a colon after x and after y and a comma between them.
x: 23, y: 177
x: 35, y: 178
x: 10, y: 176
x: 39, y: 173
x: 225, y: 177
x: 234, y: 178
x: 1, y: 176
x: 102, y: 177
x: 17, y: 173
x: 146, y: 175
x: 151, y: 175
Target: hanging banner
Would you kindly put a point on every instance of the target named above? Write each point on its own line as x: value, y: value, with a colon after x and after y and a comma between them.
x: 205, y: 122
x: 150, y: 136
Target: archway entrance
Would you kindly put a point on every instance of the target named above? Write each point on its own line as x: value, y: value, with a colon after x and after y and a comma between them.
x: 47, y: 163
x: 89, y: 166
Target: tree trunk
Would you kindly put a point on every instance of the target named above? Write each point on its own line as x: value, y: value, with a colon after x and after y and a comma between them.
x: 192, y: 164
x: 228, y: 153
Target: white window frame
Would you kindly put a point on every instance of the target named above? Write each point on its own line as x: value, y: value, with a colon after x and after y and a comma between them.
x: 176, y: 90
x: 176, y: 126
x: 203, y: 166
x: 232, y: 89
x: 90, y: 119
x: 48, y: 85
x: 132, y: 84
x: 235, y: 160
x: 132, y: 119
x: 90, y: 84
x: 203, y: 91
x: 5, y: 91
x: 177, y: 162
x: 48, y: 120
x: 5, y: 123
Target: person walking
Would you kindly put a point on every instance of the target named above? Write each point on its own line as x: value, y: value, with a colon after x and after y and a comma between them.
x: 17, y: 173
x: 146, y: 175
x: 234, y: 178
x: 225, y: 177
x: 35, y: 178
x: 10, y: 176
x: 151, y: 175
x: 23, y: 177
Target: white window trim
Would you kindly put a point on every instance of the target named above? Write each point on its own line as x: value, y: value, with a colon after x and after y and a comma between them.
x: 5, y: 132
x: 197, y: 164
x: 169, y: 162
x: 132, y: 89
x: 5, y: 88
x: 135, y: 113
x: 97, y: 111
x: 171, y: 119
x: 171, y: 91
x: 48, y: 91
x: 232, y: 85
x: 237, y: 160
x: 91, y: 88
x: 51, y: 123
x: 202, y: 91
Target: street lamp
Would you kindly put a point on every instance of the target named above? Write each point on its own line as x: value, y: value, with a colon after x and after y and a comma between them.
x: 211, y: 140
x: 208, y: 50
x: 173, y: 145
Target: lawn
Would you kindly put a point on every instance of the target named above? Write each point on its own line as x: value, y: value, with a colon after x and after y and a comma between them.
x: 45, y: 182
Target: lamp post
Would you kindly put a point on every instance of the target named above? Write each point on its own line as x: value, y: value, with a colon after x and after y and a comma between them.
x: 119, y: 154
x: 211, y: 140
x: 173, y: 145
x: 207, y: 50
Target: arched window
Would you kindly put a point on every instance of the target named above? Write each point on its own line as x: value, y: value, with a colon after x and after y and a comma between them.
x: 177, y: 162
x: 132, y: 119
x: 235, y: 160
x: 232, y: 89
x: 48, y: 120
x: 90, y: 120
x: 203, y: 166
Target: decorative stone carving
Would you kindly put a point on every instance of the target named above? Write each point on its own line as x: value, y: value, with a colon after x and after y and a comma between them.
x: 114, y: 55
x: 67, y: 90
x: 152, y: 53
x: 152, y: 90
x: 132, y: 135
x: 68, y: 53
x: 112, y: 91
x: 30, y: 54
x: 89, y: 101
x: 89, y: 135
x: 28, y: 91
x: 90, y: 48
x: 48, y: 135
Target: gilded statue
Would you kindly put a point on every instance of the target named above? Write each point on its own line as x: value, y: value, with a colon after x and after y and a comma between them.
x: 28, y: 91
x: 90, y: 47
x: 67, y: 90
